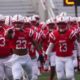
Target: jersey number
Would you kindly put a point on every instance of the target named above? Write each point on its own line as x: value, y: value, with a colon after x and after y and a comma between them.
x: 21, y: 44
x: 2, y: 42
x: 63, y: 46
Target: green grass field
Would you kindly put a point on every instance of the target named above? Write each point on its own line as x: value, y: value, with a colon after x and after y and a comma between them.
x: 45, y: 76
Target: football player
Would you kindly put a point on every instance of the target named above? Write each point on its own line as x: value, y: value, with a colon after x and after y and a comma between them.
x: 63, y: 41
x: 5, y: 50
x: 32, y: 51
x: 19, y: 40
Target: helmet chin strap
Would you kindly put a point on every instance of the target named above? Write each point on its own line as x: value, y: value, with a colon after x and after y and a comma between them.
x: 50, y: 30
x: 62, y: 31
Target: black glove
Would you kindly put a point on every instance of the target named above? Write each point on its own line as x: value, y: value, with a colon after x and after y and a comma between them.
x: 41, y: 58
x: 9, y: 34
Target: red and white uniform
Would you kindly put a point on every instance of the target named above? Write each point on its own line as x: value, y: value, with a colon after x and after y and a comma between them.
x: 20, y: 41
x: 32, y: 50
x: 37, y: 36
x: 63, y: 44
x: 46, y: 41
x: 5, y: 51
x: 32, y: 53
x: 78, y: 46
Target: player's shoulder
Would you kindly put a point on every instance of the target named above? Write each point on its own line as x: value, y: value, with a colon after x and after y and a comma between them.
x: 69, y: 31
x: 29, y: 32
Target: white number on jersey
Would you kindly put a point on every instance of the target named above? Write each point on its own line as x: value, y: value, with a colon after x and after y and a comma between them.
x: 2, y: 42
x: 63, y: 46
x: 21, y: 44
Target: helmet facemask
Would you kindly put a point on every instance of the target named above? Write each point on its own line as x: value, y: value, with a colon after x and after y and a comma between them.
x: 51, y: 27
x: 62, y: 27
x: 18, y: 25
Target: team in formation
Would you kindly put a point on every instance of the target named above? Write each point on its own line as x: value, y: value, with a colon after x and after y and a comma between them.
x: 29, y: 47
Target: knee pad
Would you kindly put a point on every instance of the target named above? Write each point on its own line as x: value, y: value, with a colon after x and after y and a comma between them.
x: 60, y: 76
x: 17, y: 71
x: 69, y: 76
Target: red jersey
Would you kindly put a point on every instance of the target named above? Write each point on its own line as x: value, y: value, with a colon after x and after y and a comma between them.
x: 5, y: 50
x: 32, y: 50
x: 21, y: 39
x: 45, y: 40
x: 31, y: 47
x: 63, y: 43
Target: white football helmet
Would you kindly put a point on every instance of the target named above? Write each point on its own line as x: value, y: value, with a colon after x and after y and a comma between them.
x: 32, y: 19
x: 18, y: 22
x: 62, y: 19
x: 51, y: 24
x: 62, y: 23
x: 8, y: 20
x: 63, y: 14
x: 37, y: 17
x: 26, y: 20
x: 2, y: 18
x: 72, y: 19
x: 18, y: 18
x: 50, y: 21
x: 78, y: 19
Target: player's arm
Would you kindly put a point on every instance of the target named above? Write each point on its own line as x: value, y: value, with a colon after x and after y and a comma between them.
x: 10, y: 33
x: 37, y: 45
x: 72, y: 35
x: 50, y: 48
x: 51, y: 44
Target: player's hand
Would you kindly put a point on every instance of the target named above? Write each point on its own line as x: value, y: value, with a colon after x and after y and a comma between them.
x: 10, y: 34
x: 41, y: 58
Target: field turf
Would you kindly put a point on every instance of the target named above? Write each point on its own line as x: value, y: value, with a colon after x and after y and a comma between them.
x: 45, y: 76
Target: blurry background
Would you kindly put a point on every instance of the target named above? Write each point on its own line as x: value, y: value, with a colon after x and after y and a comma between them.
x: 45, y: 8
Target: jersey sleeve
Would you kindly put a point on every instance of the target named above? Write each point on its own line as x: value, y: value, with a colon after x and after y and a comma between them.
x: 52, y: 37
x: 29, y: 32
x: 72, y: 35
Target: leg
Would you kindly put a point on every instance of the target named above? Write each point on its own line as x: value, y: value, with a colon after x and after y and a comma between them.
x: 27, y: 66
x: 52, y: 72
x: 69, y: 69
x: 52, y: 63
x: 35, y: 70
x: 17, y: 71
x: 2, y: 74
x: 28, y: 70
x: 60, y: 66
x: 8, y: 72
